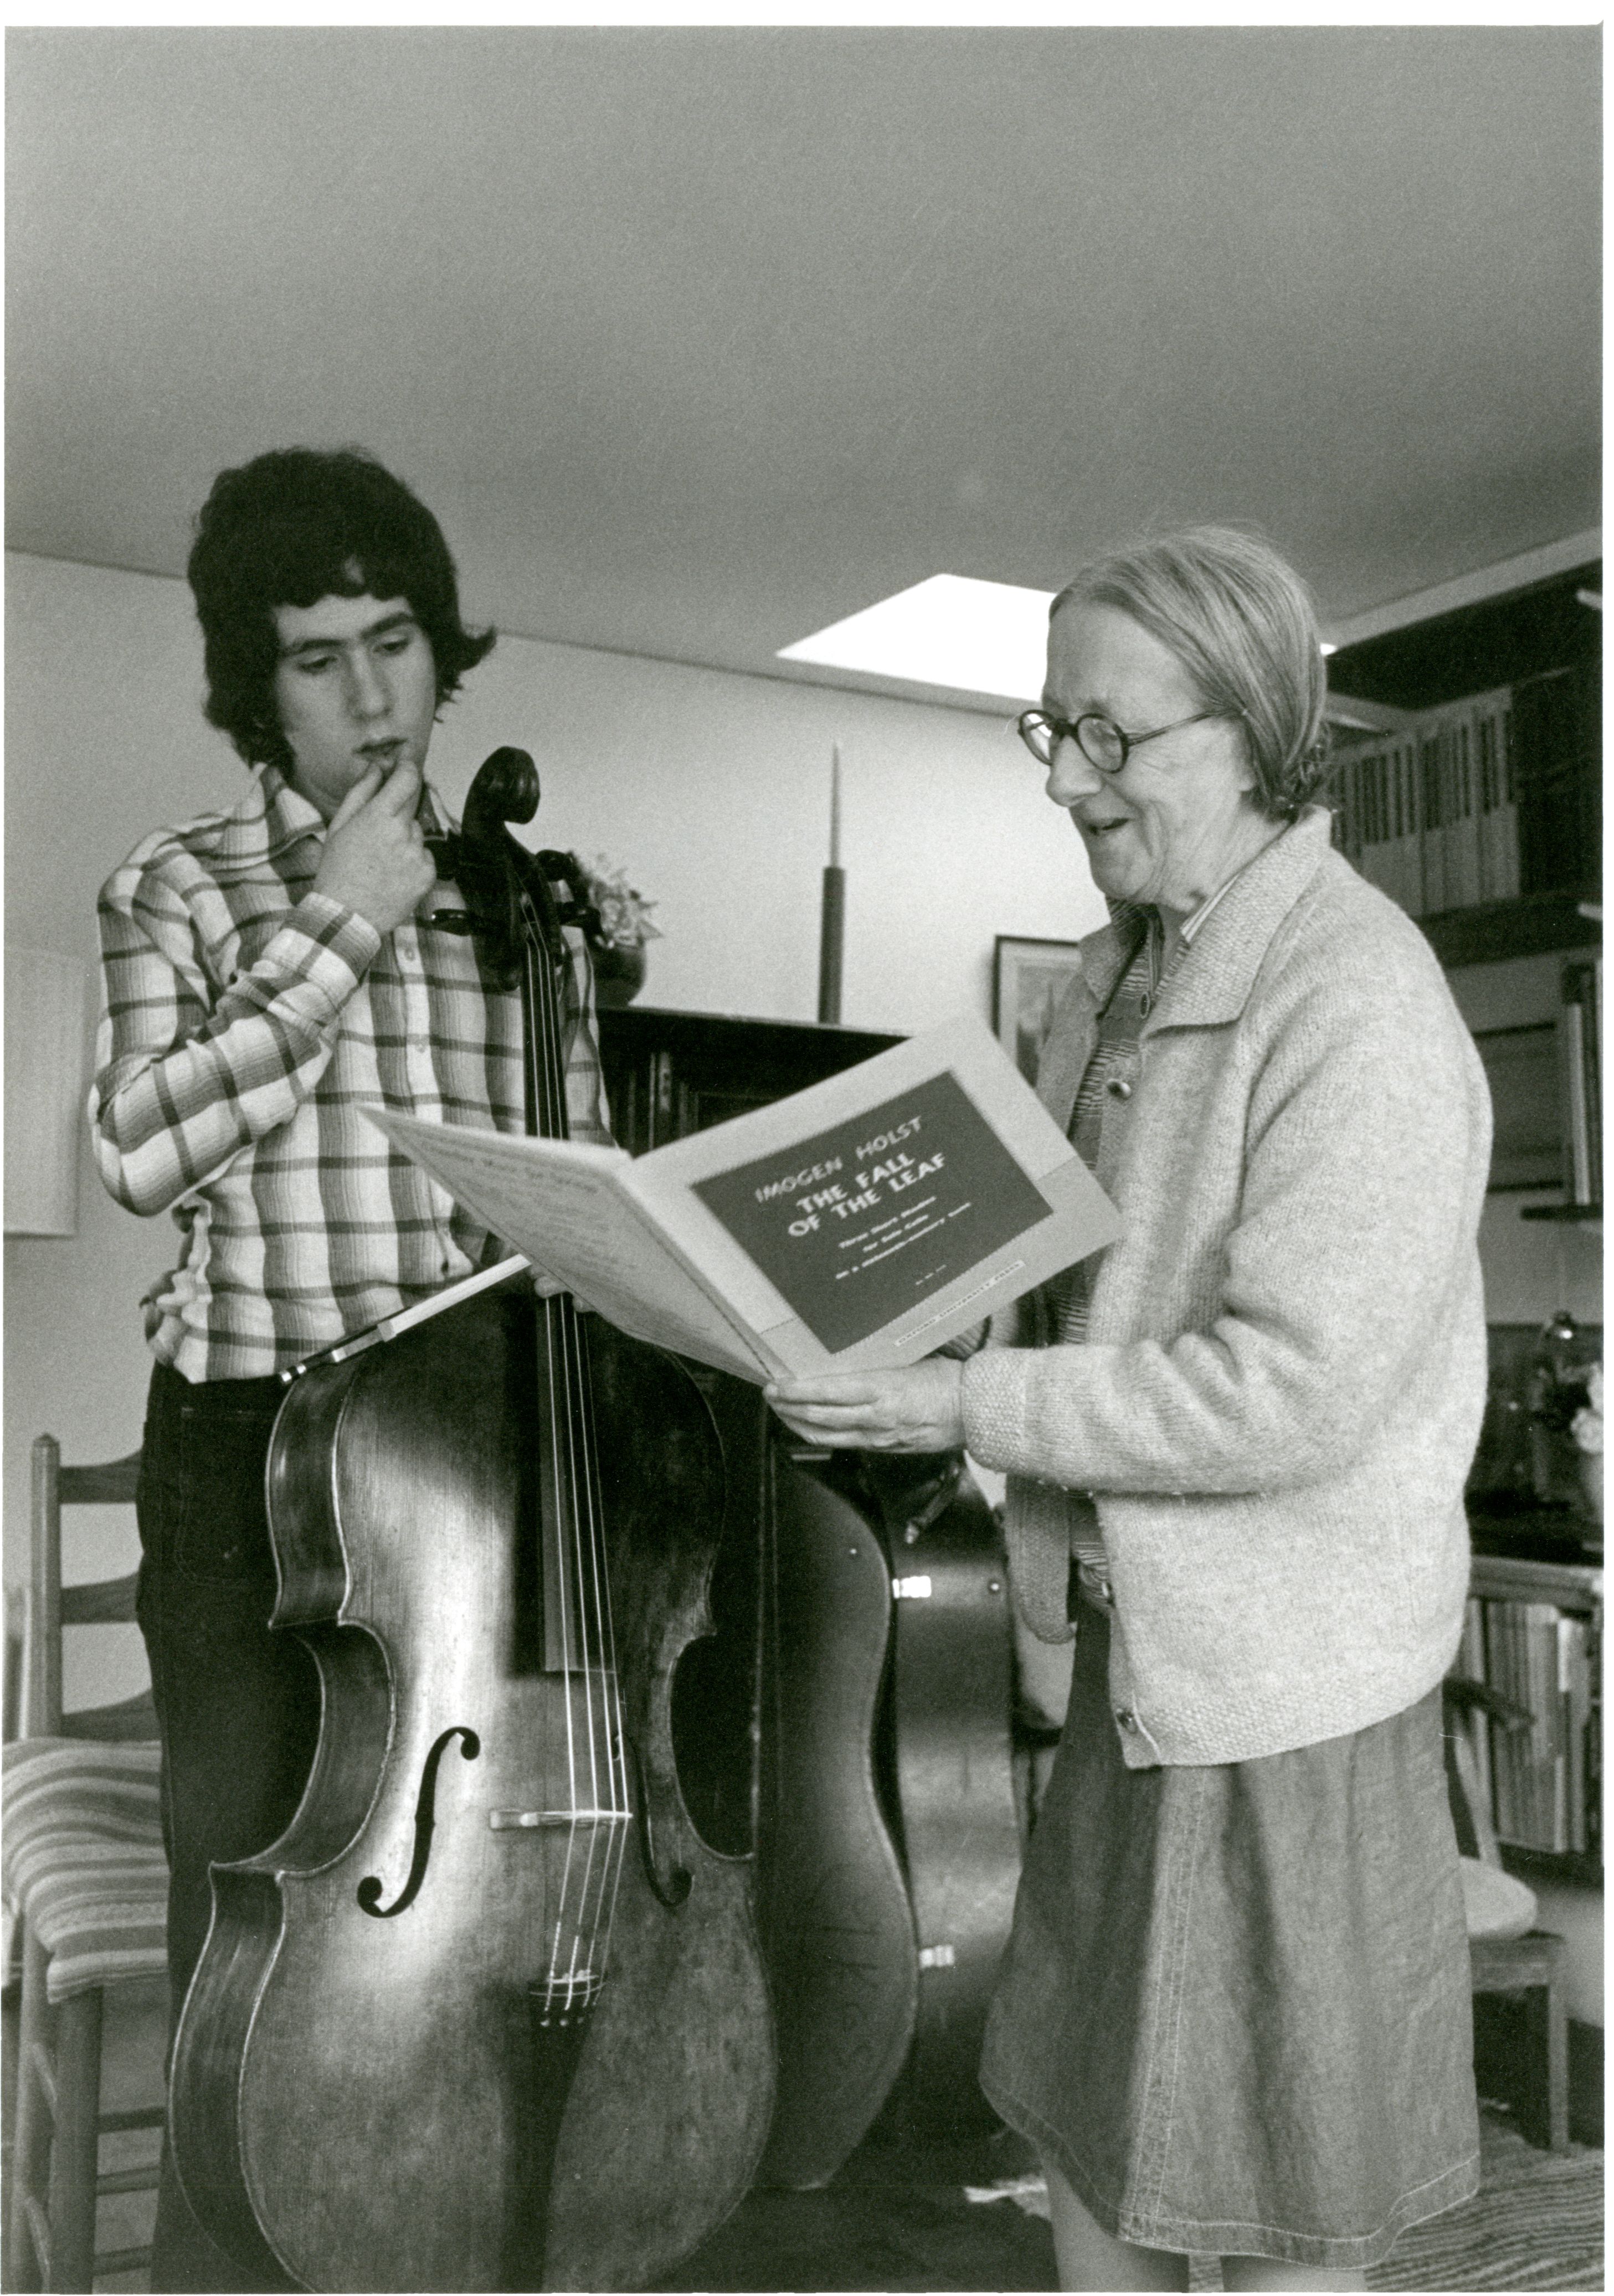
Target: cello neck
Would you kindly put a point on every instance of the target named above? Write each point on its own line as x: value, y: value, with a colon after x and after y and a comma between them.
x: 519, y: 928
x: 575, y: 1616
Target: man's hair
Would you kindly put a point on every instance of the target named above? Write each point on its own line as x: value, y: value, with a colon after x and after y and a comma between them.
x: 1241, y: 621
x: 289, y: 528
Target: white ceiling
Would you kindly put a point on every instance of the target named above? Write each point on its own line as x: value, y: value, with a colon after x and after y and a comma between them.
x: 698, y: 339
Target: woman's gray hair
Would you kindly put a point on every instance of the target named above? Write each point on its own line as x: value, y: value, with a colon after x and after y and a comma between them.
x: 1241, y: 622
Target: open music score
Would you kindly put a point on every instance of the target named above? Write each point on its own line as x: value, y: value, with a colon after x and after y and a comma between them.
x: 865, y: 1221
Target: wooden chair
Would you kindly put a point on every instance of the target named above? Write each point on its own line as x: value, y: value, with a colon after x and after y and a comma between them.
x: 1509, y: 1955
x: 85, y: 1877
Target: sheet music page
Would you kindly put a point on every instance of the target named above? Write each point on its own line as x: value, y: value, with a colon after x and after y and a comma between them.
x: 562, y: 1203
x: 863, y: 1221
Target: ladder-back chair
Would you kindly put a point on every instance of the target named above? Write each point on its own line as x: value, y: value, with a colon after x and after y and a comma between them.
x: 85, y: 1878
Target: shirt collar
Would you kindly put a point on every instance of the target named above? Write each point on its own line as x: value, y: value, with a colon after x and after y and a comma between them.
x: 288, y: 816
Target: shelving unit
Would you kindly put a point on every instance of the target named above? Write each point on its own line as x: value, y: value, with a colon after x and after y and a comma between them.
x: 1533, y: 1635
x: 1492, y: 778
x: 1528, y: 657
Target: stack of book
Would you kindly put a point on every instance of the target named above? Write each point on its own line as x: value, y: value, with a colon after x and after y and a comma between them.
x: 1479, y: 800
x: 1540, y: 1781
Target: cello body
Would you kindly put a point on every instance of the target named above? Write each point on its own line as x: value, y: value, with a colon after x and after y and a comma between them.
x: 374, y: 2085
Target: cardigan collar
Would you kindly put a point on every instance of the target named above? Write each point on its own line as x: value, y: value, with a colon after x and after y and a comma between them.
x: 1229, y: 949
x: 1229, y: 946
x: 1227, y: 954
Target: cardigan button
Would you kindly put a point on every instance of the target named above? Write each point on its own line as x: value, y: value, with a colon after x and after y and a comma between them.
x: 1128, y: 1720
x: 1119, y: 1086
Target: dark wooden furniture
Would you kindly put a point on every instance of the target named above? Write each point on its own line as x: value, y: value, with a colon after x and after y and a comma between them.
x: 668, y: 1074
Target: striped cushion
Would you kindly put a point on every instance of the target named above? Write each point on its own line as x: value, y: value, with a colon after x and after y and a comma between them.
x: 84, y: 1861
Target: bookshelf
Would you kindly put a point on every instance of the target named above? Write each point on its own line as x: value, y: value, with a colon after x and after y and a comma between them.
x: 1478, y: 810
x: 1533, y: 1635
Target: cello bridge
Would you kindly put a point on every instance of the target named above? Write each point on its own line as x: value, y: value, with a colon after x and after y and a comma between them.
x: 531, y: 1821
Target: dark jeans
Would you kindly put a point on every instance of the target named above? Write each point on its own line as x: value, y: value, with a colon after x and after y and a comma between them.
x: 238, y: 1706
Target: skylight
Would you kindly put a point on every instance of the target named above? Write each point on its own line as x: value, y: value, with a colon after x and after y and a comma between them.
x: 949, y: 630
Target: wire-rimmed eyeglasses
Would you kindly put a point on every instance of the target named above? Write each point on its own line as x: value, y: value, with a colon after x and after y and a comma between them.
x: 1101, y: 741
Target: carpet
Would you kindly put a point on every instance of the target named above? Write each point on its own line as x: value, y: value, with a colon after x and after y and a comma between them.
x: 1535, y: 2222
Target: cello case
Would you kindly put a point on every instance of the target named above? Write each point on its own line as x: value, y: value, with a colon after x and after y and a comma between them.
x: 888, y: 1855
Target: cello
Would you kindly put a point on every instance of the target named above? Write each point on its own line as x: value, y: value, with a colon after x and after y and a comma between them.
x: 491, y: 2014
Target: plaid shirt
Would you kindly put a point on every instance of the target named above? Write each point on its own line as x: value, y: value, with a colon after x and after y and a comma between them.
x: 247, y: 1020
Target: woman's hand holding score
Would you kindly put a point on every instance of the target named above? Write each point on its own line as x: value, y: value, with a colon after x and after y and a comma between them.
x: 917, y: 1409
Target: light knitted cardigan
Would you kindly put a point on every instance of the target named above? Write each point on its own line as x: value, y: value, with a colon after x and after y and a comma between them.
x: 1285, y: 1364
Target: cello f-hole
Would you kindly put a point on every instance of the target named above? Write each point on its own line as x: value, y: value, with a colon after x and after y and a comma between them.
x: 369, y: 1891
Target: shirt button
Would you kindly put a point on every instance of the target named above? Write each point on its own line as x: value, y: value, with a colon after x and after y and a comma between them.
x: 1119, y: 1086
x: 1145, y: 1004
x: 1128, y: 1720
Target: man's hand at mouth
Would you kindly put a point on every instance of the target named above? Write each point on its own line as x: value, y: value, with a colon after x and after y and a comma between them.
x: 375, y: 860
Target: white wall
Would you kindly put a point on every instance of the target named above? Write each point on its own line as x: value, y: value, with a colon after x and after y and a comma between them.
x: 712, y: 789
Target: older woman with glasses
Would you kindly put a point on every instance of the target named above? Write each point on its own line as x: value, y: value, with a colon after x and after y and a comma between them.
x: 1234, y: 2013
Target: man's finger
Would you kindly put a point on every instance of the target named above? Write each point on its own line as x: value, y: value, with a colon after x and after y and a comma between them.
x: 359, y: 795
x: 400, y: 792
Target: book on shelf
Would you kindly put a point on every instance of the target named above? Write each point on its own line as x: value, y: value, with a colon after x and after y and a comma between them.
x: 860, y: 1223
x: 1471, y: 1661
x: 1431, y: 813
x: 1499, y: 807
x: 1541, y: 1779
x: 1580, y: 1072
x: 1433, y: 797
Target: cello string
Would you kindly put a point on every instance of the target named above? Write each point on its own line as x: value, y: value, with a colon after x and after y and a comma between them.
x: 606, y: 1795
x: 589, y: 1883
x: 543, y: 1113
x: 563, y: 1326
x: 593, y: 1577
x: 594, y: 1884
x: 616, y: 1744
x: 611, y: 1686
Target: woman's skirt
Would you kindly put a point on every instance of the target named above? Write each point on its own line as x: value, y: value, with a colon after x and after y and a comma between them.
x: 1235, y: 2010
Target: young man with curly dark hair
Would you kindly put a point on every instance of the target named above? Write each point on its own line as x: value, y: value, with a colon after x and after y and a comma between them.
x: 268, y: 969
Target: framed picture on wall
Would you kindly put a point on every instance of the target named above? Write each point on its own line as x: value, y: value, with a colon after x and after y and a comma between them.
x: 1028, y: 977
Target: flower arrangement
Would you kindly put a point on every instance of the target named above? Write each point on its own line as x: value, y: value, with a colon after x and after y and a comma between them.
x: 624, y: 912
x: 1587, y: 1425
